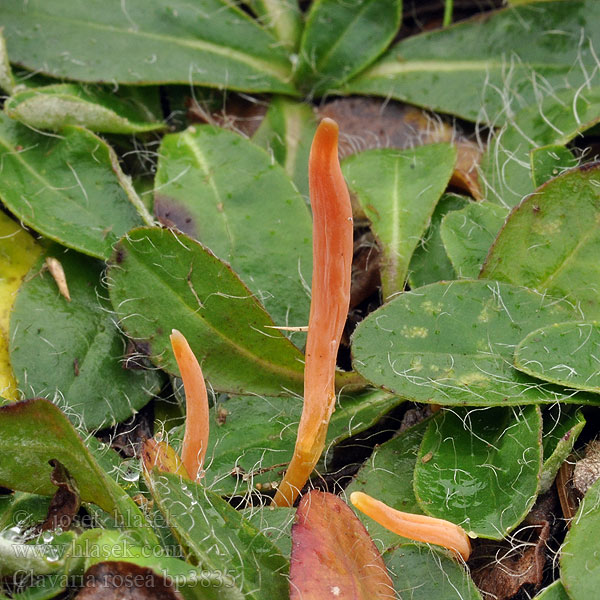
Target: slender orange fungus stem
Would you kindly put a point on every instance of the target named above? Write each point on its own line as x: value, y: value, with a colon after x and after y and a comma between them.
x: 420, y: 528
x: 332, y: 262
x: 195, y: 439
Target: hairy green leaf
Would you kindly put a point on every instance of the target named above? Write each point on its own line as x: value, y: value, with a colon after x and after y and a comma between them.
x: 161, y: 280
x: 563, y: 353
x: 481, y: 69
x: 468, y: 234
x: 252, y: 438
x: 341, y: 38
x: 32, y: 432
x: 69, y: 188
x: 73, y: 351
x: 480, y: 468
x: 430, y: 262
x: 562, y: 426
x: 421, y: 572
x: 214, y: 535
x: 222, y: 190
x: 550, y: 161
x: 579, y: 557
x: 452, y: 344
x: 287, y: 131
x: 551, y: 240
x: 388, y: 476
x: 506, y: 171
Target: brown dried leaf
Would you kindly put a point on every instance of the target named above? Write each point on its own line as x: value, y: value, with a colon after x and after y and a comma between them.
x: 240, y: 113
x: 501, y: 569
x: 66, y: 501
x: 333, y: 555
x: 367, y: 123
x: 125, y: 581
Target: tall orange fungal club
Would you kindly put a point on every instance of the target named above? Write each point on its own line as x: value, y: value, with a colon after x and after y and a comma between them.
x: 332, y: 262
x: 195, y: 439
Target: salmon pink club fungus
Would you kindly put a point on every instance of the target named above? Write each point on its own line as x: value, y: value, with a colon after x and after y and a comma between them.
x: 420, y: 528
x: 195, y: 439
x: 332, y: 262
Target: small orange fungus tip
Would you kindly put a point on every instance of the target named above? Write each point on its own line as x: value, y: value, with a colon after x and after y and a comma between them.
x: 195, y: 439
x: 157, y: 454
x: 420, y: 528
x: 332, y: 264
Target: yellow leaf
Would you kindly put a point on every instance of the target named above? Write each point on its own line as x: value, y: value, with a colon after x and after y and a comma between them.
x: 18, y: 251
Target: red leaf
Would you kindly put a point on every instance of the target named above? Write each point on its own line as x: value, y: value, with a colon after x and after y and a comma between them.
x: 333, y: 556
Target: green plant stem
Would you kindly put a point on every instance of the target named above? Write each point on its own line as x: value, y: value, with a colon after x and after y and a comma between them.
x: 448, y: 9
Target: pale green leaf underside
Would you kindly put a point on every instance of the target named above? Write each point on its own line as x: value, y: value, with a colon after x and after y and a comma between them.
x: 54, y: 106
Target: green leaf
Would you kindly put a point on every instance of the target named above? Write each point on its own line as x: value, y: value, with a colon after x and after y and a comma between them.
x: 550, y: 241
x: 555, y: 591
x: 17, y: 558
x: 550, y: 161
x: 23, y: 510
x: 562, y: 426
x: 287, y: 131
x: 275, y: 522
x: 18, y: 251
x: 256, y: 221
x: 481, y: 70
x: 106, y: 546
x: 54, y: 106
x: 7, y: 81
x: 33, y: 432
x: 398, y: 190
x: 341, y: 38
x: 162, y: 280
x: 282, y: 17
x: 467, y: 235
x: 69, y: 188
x: 43, y: 588
x: 252, y: 438
x: 506, y: 171
x: 216, y: 537
x: 421, y: 573
x: 388, y: 477
x: 452, y: 344
x: 580, y: 556
x: 430, y: 262
x: 480, y: 468
x: 563, y: 353
x: 211, y: 43
x: 73, y: 351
